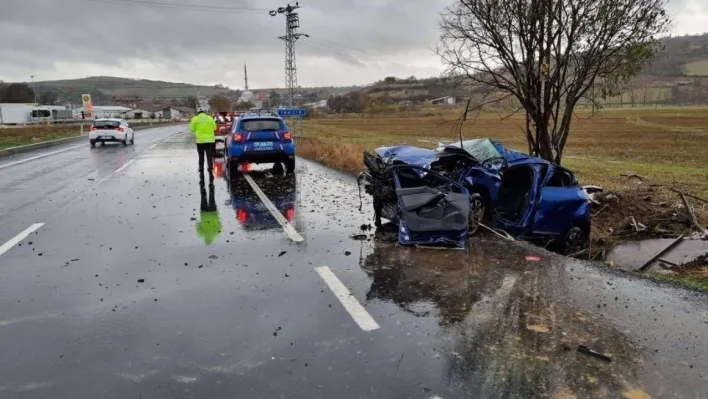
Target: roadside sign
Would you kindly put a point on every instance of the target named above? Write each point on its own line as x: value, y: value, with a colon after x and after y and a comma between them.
x: 291, y: 112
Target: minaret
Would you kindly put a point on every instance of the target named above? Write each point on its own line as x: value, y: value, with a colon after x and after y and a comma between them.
x: 245, y: 75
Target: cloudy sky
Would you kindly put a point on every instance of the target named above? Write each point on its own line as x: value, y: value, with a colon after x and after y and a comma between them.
x: 208, y: 41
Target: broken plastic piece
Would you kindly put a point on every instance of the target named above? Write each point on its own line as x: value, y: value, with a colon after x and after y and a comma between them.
x: 533, y: 258
x: 587, y: 351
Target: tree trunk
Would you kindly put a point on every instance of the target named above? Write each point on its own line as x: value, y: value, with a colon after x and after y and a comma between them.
x: 543, y: 142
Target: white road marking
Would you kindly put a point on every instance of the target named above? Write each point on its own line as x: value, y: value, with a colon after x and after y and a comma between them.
x: 125, y: 165
x: 40, y: 156
x: 287, y: 227
x: 16, y: 239
x: 352, y: 306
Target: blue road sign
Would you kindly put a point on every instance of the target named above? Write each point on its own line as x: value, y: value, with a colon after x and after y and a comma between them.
x: 291, y: 112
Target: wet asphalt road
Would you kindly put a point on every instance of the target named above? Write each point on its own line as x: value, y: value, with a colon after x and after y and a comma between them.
x: 129, y: 290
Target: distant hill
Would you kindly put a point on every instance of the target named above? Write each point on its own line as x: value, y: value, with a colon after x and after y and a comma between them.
x: 106, y: 89
x: 677, y: 76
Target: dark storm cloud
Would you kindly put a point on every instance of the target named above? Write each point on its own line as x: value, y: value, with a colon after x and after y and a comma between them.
x: 207, y: 41
x: 102, y: 30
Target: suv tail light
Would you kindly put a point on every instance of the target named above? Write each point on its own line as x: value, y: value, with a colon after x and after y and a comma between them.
x: 119, y: 129
x: 92, y: 128
x: 237, y: 137
x: 287, y: 136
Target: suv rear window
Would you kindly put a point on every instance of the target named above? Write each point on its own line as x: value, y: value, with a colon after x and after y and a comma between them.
x: 261, y: 125
x: 106, y: 124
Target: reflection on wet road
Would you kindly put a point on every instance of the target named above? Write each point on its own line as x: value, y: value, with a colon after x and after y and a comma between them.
x: 148, y: 285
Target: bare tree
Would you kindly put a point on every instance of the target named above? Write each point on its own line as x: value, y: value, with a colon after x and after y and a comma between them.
x: 549, y: 53
x: 220, y: 103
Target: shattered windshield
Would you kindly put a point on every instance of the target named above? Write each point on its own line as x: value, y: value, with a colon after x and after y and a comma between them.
x: 480, y: 149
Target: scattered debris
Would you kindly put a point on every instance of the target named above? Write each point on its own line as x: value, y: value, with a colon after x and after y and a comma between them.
x: 538, y: 328
x: 359, y: 237
x: 664, y: 263
x: 282, y: 253
x: 533, y: 258
x: 141, y: 280
x: 347, y: 253
x: 213, y: 257
x: 631, y: 175
x: 365, y: 227
x: 587, y: 351
x: 398, y: 363
x: 648, y: 263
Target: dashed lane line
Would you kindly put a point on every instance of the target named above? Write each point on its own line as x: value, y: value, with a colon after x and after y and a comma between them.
x: 18, y: 238
x: 287, y: 227
x: 352, y: 306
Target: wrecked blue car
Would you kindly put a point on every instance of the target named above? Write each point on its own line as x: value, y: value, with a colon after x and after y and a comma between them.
x: 525, y: 196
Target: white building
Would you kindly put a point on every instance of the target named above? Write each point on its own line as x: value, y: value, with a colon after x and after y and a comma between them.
x: 107, y: 111
x: 137, y: 113
x: 447, y: 100
x: 203, y: 104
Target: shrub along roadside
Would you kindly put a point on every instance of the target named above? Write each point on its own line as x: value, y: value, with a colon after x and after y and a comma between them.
x: 334, y: 154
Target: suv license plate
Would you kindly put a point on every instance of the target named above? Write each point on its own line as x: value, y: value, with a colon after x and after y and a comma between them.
x: 262, y: 146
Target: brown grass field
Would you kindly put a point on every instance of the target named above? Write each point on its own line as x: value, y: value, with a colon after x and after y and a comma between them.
x: 667, y: 146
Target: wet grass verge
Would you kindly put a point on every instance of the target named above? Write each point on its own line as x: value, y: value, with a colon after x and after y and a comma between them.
x: 695, y: 282
x: 18, y: 136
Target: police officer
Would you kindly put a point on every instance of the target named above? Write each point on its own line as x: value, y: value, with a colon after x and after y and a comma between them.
x: 204, y: 127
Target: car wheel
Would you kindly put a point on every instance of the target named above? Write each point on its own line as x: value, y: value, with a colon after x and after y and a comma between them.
x: 290, y: 165
x: 574, y: 240
x: 92, y: 143
x: 233, y: 170
x: 132, y: 139
x: 125, y: 141
x: 478, y: 210
x: 278, y: 168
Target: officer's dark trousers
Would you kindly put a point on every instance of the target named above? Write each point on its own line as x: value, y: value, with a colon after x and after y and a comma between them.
x: 208, y: 150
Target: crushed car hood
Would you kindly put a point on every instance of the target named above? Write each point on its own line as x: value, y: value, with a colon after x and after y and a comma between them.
x: 406, y: 154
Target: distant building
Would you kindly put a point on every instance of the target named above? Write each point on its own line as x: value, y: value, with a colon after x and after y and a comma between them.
x: 107, y: 111
x: 203, y: 104
x: 186, y: 111
x: 138, y: 113
x: 247, y: 96
x: 316, y: 104
x: 447, y: 100
x: 168, y: 113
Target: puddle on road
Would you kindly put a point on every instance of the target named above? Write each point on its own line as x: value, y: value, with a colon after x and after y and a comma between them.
x: 631, y: 256
x: 511, y: 325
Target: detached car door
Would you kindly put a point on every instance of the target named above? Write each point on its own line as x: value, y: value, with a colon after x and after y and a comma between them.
x: 433, y: 210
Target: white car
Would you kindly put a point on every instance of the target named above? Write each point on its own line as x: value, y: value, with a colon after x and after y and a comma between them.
x: 111, y: 130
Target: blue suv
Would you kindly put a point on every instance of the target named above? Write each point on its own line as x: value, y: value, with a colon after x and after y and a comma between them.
x: 260, y: 139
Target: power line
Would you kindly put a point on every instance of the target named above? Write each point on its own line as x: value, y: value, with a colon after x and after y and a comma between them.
x: 188, y: 6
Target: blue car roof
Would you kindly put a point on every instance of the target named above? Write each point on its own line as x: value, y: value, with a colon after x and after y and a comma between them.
x: 247, y: 117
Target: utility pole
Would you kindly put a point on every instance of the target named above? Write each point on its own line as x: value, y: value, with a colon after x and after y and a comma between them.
x: 34, y: 90
x: 292, y: 24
